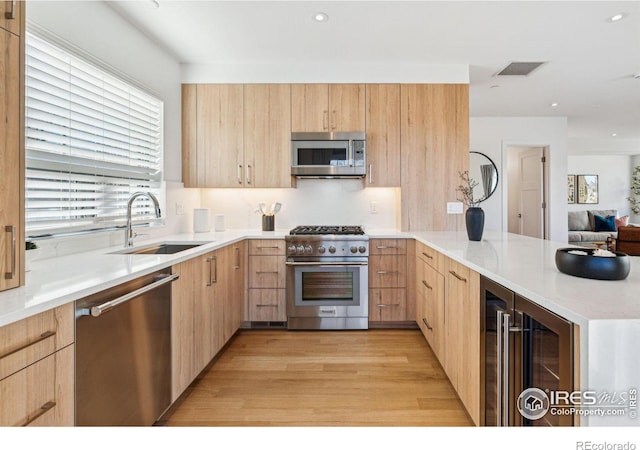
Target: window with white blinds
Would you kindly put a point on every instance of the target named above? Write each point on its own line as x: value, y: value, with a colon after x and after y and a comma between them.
x: 91, y: 139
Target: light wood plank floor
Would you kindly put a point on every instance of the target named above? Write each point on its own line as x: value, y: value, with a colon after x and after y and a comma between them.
x: 322, y: 378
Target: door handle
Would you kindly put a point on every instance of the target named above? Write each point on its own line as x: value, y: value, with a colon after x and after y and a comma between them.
x: 239, y: 174
x: 427, y: 285
x: 11, y: 229
x: 370, y: 173
x: 11, y: 14
x: 248, y: 174
x: 325, y: 119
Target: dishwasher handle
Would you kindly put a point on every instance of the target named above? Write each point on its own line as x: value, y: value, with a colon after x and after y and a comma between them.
x: 96, y: 311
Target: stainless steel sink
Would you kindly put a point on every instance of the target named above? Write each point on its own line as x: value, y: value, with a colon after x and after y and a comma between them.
x: 162, y: 248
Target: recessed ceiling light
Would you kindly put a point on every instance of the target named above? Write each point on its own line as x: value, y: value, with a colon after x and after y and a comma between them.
x: 617, y: 17
x: 614, y: 134
x: 320, y: 17
x: 554, y: 104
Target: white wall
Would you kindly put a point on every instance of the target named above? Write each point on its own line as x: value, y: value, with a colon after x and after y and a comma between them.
x: 493, y: 135
x: 614, y: 180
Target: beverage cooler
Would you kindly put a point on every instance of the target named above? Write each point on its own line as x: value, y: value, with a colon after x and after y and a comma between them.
x: 526, y: 356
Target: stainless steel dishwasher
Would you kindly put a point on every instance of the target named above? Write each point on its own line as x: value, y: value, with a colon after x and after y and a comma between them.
x: 123, y: 353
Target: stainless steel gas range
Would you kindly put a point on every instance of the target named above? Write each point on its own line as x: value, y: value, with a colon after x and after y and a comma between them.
x: 327, y: 278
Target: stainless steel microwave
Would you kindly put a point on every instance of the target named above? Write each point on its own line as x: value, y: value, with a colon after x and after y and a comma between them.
x: 328, y: 154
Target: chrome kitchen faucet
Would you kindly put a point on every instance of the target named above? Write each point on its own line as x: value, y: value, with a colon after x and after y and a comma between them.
x: 128, y: 236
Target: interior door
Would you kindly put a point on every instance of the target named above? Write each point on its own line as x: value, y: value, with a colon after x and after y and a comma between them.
x: 531, y: 196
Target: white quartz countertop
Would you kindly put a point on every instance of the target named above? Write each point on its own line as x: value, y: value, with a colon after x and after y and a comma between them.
x: 525, y: 265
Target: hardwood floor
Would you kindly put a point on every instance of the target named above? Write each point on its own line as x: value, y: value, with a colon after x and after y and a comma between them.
x: 321, y: 378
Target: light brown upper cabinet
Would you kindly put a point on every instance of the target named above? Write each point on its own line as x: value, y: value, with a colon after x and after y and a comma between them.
x: 267, y: 135
x: 11, y: 16
x: 11, y: 151
x: 383, y: 135
x: 327, y: 107
x: 434, y: 124
x: 212, y: 135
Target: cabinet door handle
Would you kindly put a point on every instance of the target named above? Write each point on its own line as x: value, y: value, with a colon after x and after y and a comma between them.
x: 370, y: 173
x: 260, y: 305
x: 427, y: 323
x: 427, y: 255
x: 387, y: 272
x: 452, y: 272
x: 237, y: 266
x: 267, y: 271
x: 248, y: 173
x: 43, y: 409
x: 271, y: 247
x: 387, y: 305
x: 239, y: 174
x: 325, y: 118
x: 334, y: 116
x: 386, y: 247
x: 11, y: 229
x: 427, y: 285
x: 11, y: 14
x: 213, y: 271
x: 43, y: 336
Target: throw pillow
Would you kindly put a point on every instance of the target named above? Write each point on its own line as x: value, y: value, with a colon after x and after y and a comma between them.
x: 622, y: 222
x: 605, y: 223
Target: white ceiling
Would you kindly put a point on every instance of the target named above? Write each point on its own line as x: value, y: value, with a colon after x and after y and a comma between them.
x: 589, y: 70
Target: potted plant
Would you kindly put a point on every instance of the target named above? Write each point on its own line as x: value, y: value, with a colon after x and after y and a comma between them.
x: 474, y: 216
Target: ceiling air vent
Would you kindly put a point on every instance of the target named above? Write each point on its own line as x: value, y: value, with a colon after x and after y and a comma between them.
x: 519, y: 68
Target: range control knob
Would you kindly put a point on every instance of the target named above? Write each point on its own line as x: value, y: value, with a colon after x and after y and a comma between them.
x: 308, y: 249
x: 321, y: 250
x: 362, y: 249
x: 353, y: 249
x: 300, y: 248
x: 332, y: 249
x: 291, y: 249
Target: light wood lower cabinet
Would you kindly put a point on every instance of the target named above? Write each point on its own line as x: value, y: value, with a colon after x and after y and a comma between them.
x: 37, y: 370
x: 430, y: 306
x: 207, y: 309
x: 388, y: 275
x: 267, y: 281
x: 41, y: 394
x: 448, y: 313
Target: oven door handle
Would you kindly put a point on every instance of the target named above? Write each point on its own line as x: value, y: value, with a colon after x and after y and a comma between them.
x: 326, y: 263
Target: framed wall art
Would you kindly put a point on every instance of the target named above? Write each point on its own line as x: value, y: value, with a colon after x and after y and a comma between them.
x: 571, y: 189
x: 587, y: 189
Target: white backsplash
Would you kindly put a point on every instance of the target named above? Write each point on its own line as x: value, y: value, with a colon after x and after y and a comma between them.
x: 312, y: 202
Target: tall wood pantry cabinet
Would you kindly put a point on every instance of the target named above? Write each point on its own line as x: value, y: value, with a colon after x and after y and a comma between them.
x: 11, y: 144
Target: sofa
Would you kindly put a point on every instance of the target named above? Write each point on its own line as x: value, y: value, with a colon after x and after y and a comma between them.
x: 582, y: 227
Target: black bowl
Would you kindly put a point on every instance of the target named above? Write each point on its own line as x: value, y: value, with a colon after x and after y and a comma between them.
x: 594, y: 267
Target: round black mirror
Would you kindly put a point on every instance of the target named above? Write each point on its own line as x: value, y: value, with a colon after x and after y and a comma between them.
x: 484, y: 171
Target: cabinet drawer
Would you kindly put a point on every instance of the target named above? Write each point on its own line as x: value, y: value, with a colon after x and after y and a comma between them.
x: 266, y: 247
x: 388, y: 247
x: 29, y: 340
x: 267, y: 305
x: 267, y: 272
x: 388, y: 271
x: 41, y: 394
x: 458, y: 271
x: 430, y: 256
x: 387, y: 305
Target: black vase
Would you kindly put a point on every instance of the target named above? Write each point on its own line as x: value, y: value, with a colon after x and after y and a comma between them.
x: 474, y: 218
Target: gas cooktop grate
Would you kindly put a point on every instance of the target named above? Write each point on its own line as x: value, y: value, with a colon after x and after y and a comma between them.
x: 326, y: 229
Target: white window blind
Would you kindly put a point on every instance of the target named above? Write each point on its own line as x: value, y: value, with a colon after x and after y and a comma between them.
x: 91, y: 139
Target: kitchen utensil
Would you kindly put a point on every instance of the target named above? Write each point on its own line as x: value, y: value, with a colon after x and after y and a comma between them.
x: 277, y: 207
x: 263, y: 208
